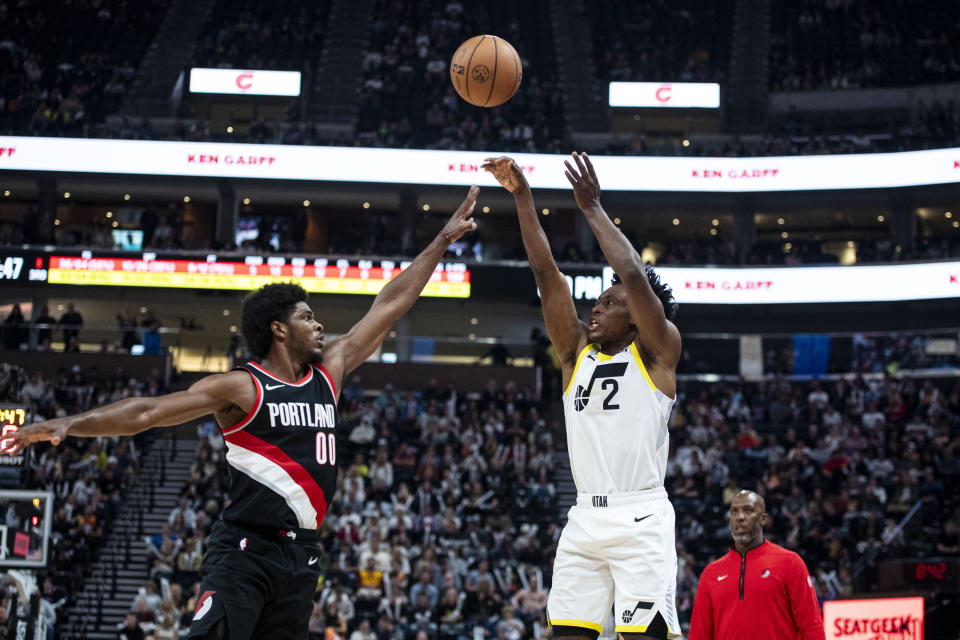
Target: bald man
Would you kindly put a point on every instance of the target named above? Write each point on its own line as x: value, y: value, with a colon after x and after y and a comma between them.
x: 759, y: 590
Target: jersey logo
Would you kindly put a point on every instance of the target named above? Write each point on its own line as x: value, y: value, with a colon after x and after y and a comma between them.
x: 609, y: 374
x: 599, y: 501
x: 721, y: 578
x: 765, y: 574
x: 271, y: 387
x: 313, y: 560
x: 243, y: 544
x: 627, y: 615
x: 643, y: 518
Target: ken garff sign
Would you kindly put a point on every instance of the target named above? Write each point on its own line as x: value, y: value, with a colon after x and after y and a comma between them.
x: 677, y: 95
x: 245, y: 82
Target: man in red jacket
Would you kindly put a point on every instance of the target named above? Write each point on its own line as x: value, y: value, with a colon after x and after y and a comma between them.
x: 758, y: 591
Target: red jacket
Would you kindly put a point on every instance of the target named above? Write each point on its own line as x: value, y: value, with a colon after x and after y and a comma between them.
x: 765, y: 595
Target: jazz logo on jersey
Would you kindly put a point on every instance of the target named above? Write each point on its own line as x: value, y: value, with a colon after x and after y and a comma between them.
x: 609, y: 374
x: 627, y: 615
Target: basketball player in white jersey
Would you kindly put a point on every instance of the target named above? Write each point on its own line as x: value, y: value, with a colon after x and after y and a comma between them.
x: 619, y: 376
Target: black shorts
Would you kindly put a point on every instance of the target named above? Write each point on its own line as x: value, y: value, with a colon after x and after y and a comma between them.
x: 262, y: 586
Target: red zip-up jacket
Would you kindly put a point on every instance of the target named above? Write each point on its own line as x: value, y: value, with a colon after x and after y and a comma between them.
x: 765, y: 594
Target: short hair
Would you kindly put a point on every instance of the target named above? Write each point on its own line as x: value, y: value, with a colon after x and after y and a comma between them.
x: 662, y: 291
x: 268, y: 303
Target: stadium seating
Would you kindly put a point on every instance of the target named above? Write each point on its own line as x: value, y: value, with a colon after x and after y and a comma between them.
x: 657, y: 41
x: 283, y: 35
x: 847, y: 44
x: 407, y: 100
x: 64, y: 70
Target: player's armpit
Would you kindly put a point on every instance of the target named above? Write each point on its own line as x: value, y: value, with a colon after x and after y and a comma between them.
x: 657, y: 336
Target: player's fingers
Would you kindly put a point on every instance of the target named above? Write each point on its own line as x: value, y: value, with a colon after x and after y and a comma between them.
x: 571, y: 179
x: 571, y: 172
x: 576, y: 158
x: 593, y: 174
x: 468, y: 203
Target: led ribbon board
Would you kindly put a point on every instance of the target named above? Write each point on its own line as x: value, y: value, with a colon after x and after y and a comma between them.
x: 449, y: 280
x: 463, y: 168
x: 793, y: 285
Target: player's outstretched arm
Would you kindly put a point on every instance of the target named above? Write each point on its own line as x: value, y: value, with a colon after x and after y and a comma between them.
x: 346, y: 353
x: 658, y: 336
x: 566, y: 332
x: 212, y: 394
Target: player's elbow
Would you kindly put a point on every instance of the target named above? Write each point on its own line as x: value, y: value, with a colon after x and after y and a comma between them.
x: 632, y: 272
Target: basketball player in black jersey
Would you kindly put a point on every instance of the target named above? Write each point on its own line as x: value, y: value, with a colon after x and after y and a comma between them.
x: 278, y: 418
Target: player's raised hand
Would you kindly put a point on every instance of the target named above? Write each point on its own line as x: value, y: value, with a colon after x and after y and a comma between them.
x: 507, y: 173
x: 462, y: 219
x: 586, y: 187
x: 53, y: 431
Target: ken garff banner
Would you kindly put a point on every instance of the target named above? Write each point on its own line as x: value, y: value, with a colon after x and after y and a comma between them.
x: 463, y: 168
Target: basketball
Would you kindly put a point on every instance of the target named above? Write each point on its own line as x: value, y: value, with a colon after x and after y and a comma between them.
x: 486, y: 71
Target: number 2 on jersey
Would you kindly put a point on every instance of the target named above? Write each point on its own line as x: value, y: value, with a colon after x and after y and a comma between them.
x: 614, y: 388
x: 326, y: 448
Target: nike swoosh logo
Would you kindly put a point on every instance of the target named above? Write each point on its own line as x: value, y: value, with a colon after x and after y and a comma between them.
x: 721, y: 578
x: 312, y: 560
x: 643, y: 518
x: 271, y: 387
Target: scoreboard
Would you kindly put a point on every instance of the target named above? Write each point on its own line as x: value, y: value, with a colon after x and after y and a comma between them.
x: 223, y: 272
x: 12, y: 468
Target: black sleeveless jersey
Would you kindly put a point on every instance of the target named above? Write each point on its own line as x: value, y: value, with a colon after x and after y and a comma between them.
x: 283, y: 454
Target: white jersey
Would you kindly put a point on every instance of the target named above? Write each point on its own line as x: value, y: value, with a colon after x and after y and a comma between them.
x: 616, y: 422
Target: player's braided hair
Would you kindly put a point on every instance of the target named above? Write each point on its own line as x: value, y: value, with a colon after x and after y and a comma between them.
x: 263, y: 306
x: 662, y: 291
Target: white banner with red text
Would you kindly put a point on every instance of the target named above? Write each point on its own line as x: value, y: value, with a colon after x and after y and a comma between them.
x: 794, y: 285
x: 415, y: 166
x: 676, y: 95
x: 245, y: 82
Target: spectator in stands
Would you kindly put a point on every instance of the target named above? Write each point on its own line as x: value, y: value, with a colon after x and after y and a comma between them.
x: 131, y: 629
x: 184, y: 511
x: 71, y: 323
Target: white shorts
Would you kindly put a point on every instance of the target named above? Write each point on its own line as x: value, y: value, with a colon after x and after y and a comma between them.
x: 617, y: 550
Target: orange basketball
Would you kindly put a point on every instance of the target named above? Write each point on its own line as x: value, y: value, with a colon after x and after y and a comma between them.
x: 486, y: 71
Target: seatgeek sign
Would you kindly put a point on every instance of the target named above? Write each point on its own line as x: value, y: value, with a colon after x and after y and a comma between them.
x: 793, y: 285
x: 668, y: 95
x: 245, y: 82
x: 463, y: 168
x: 874, y: 619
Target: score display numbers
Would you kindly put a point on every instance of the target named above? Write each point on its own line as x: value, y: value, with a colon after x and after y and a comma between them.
x: 322, y: 275
x: 12, y: 418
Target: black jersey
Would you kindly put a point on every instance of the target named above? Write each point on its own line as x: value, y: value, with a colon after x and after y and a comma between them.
x: 283, y: 454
